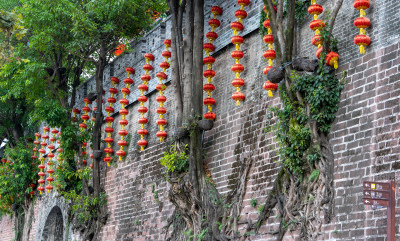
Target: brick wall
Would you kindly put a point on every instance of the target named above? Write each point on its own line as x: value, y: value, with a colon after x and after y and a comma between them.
x: 6, y: 228
x: 365, y: 135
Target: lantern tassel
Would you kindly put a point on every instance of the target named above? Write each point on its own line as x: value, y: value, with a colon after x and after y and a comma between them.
x: 270, y: 93
x: 108, y: 164
x: 335, y: 64
x: 362, y: 49
x: 238, y: 103
x: 362, y: 13
x: 141, y: 148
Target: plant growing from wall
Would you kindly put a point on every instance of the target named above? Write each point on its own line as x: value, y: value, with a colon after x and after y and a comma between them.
x: 309, y: 103
x: 303, y: 188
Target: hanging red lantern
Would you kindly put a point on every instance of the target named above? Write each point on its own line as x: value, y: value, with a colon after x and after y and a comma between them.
x: 162, y: 76
x: 123, y: 112
x: 42, y: 151
x: 269, y: 54
x: 362, y: 23
x: 362, y: 5
x: 268, y: 86
x: 331, y: 59
x: 317, y: 25
x: 315, y: 9
x: 142, y: 99
x: 109, y: 120
x: 209, y: 60
x: 208, y: 48
x: 317, y: 40
x: 32, y: 186
x: 362, y: 41
x: 237, y: 41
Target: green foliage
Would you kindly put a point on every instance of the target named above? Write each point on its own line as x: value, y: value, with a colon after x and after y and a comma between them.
x: 253, y: 202
x: 175, y: 160
x: 321, y: 91
x: 85, y: 207
x: 155, y: 193
x: 314, y: 176
x: 15, y: 176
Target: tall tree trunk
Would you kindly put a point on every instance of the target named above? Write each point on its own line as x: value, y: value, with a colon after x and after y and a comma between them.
x: 188, y: 61
x: 99, y: 120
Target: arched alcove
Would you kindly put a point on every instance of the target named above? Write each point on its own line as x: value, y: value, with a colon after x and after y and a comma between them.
x: 54, y: 226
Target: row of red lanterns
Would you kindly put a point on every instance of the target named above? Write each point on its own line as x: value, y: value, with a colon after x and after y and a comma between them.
x: 143, y: 99
x: 316, y: 25
x: 362, y: 23
x: 209, y: 61
x: 109, y: 120
x: 269, y: 54
x: 237, y: 54
x: 123, y: 112
x: 161, y: 122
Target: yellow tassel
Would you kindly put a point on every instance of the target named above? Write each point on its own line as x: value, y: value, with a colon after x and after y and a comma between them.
x: 238, y: 103
x: 362, y: 31
x: 108, y: 164
x: 141, y: 148
x: 120, y: 158
x: 48, y: 191
x: 335, y: 65
x: 269, y: 31
x: 362, y: 49
x: 317, y: 32
x: 40, y: 192
x: 362, y: 13
x: 270, y: 63
x: 237, y: 46
x: 270, y: 46
x: 161, y: 139
x: 270, y: 94
x: 315, y: 17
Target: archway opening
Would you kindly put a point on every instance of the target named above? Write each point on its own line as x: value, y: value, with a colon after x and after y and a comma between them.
x: 54, y: 226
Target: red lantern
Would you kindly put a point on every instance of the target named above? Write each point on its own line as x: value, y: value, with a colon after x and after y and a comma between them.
x: 362, y: 5
x: 362, y: 23
x: 142, y: 98
x: 237, y: 40
x: 317, y: 25
x: 208, y: 47
x: 216, y: 11
x: 317, y: 40
x: 209, y: 60
x: 315, y: 9
x: 142, y: 143
x: 332, y: 59
x: 240, y: 14
x: 212, y: 36
x: 362, y: 41
x: 268, y: 86
x: 209, y: 116
x: 238, y: 97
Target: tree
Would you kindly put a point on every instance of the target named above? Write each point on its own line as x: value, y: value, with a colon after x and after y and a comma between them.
x: 200, y: 211
x: 64, y: 38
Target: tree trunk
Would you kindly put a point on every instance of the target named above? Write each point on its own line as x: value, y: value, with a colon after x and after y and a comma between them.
x: 99, y: 120
x: 29, y: 214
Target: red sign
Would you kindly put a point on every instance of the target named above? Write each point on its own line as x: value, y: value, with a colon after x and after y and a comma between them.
x: 385, y: 195
x: 376, y: 186
x: 376, y: 202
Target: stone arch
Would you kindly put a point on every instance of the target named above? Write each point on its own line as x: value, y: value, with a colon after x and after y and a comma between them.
x: 54, y: 226
x: 52, y: 218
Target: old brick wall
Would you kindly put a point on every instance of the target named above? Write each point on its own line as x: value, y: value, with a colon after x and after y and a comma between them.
x: 6, y: 228
x: 365, y: 135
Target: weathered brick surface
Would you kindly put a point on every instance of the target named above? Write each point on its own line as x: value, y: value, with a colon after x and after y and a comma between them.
x: 6, y: 228
x: 364, y: 137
